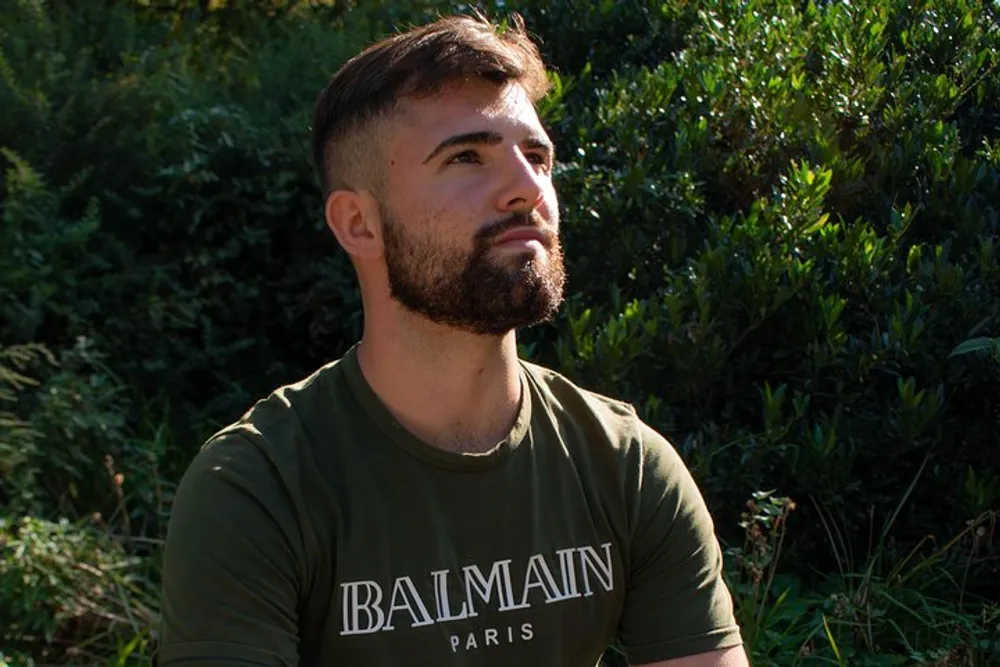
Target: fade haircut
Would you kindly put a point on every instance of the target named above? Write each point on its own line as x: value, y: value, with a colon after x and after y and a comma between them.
x: 350, y: 111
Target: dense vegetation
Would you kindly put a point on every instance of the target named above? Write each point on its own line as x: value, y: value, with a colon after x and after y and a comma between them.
x: 782, y: 223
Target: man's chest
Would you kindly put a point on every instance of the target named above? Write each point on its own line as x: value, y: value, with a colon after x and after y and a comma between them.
x: 494, y: 572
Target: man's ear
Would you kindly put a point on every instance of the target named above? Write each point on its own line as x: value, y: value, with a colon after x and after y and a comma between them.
x: 352, y: 217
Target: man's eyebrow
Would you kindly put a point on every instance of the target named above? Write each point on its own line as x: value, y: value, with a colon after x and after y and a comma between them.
x: 485, y: 138
x: 540, y: 142
x: 488, y: 138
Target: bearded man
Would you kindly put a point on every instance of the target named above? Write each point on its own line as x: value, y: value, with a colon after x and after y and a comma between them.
x: 430, y: 498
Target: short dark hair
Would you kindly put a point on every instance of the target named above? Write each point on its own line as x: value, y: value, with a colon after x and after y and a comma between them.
x: 417, y: 62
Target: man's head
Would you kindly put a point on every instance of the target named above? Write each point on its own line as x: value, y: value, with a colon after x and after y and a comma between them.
x: 437, y: 174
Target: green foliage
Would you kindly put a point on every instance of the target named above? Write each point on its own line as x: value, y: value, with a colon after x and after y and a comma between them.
x: 891, y: 611
x: 69, y: 592
x: 760, y: 609
x: 79, y: 406
x: 44, y: 270
x: 18, y: 439
x: 991, y: 346
x: 164, y: 232
x: 781, y: 221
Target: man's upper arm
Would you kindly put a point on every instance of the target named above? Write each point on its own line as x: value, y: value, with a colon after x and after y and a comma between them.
x: 677, y: 604
x: 231, y: 577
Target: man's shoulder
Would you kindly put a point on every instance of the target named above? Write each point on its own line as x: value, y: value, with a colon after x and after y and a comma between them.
x: 616, y: 418
x: 576, y: 401
x: 561, y: 386
x: 288, y: 416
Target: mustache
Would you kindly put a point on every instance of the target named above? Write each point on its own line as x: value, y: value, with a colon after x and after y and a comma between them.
x: 532, y: 220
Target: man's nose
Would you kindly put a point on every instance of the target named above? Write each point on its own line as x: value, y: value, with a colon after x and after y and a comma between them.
x: 524, y: 186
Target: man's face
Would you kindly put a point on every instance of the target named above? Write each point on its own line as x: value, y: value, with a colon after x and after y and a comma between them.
x: 470, y: 217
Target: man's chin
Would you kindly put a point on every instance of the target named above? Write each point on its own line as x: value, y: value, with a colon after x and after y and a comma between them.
x: 498, y: 324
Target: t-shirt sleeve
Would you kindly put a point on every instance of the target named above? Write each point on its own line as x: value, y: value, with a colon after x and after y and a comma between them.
x: 231, y: 567
x: 677, y: 603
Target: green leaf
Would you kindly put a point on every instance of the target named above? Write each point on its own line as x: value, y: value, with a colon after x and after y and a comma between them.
x: 981, y: 344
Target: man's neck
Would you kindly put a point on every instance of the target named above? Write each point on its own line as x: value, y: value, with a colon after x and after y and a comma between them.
x: 451, y: 389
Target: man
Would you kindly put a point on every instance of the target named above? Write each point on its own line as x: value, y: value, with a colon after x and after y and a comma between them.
x: 430, y: 499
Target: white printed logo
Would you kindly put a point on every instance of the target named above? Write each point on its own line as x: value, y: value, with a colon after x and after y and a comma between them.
x: 370, y: 606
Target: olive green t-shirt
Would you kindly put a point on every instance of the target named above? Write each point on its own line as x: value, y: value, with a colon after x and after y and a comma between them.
x: 317, y: 531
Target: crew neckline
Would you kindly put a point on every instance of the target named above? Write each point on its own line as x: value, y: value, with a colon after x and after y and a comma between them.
x: 411, y: 444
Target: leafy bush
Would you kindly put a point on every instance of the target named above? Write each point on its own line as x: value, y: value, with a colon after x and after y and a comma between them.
x: 891, y: 610
x: 168, y: 244
x: 71, y: 589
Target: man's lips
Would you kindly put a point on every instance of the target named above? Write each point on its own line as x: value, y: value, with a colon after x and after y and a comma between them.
x: 523, y: 234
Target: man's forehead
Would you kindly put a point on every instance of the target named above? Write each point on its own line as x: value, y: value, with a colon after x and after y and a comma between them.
x: 467, y: 107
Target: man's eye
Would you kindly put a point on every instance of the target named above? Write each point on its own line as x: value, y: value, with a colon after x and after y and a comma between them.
x: 540, y: 160
x: 466, y: 157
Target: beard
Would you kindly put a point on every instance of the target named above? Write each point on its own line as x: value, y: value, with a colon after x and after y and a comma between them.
x: 475, y: 292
